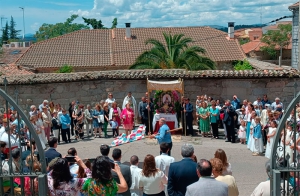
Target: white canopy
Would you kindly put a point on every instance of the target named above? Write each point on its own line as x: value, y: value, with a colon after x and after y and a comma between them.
x: 166, y: 85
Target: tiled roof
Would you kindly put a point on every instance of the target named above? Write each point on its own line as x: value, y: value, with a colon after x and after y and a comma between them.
x: 13, y: 70
x: 255, y: 45
x: 81, y: 48
x: 294, y: 6
x: 10, y: 55
x: 266, y: 66
x: 151, y: 74
x: 94, y: 48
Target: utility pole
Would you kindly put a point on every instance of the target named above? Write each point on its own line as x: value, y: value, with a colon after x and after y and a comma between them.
x: 23, y: 23
x: 2, y: 18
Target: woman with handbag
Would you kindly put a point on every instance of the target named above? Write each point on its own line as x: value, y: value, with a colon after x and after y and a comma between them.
x: 127, y: 118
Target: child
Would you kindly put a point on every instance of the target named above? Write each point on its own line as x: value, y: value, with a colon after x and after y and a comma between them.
x: 270, y: 138
x: 242, y: 132
x: 114, y: 125
x: 257, y: 138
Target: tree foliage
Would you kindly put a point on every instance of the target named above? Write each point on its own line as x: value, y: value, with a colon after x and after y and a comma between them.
x: 13, y: 33
x: 279, y: 38
x: 5, y: 33
x: 243, y: 65
x: 65, y: 69
x: 176, y: 54
x: 97, y: 24
x: 47, y: 31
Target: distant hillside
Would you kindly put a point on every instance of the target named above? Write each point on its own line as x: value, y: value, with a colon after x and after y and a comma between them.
x: 28, y: 37
x: 225, y: 29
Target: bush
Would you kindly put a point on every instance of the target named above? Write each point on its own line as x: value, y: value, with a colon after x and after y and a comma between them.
x: 65, y: 69
x: 242, y: 65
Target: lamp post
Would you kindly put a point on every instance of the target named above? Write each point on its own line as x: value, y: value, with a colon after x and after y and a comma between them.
x: 23, y: 23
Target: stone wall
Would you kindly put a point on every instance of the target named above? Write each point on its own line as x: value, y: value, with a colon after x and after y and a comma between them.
x: 90, y: 92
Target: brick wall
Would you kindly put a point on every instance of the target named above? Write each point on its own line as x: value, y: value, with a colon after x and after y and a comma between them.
x: 90, y: 92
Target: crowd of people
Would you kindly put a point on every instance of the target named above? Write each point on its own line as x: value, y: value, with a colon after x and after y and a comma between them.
x: 256, y: 124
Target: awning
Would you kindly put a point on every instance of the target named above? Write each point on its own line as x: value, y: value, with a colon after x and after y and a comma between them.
x: 166, y: 85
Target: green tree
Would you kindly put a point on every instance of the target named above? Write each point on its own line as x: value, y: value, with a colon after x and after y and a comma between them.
x: 243, y: 65
x: 175, y: 55
x: 279, y: 38
x: 114, y: 23
x: 5, y: 34
x: 96, y: 24
x: 47, y: 31
x: 13, y: 33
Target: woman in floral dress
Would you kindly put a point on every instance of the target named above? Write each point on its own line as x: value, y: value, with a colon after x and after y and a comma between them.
x: 204, y: 119
x: 102, y: 182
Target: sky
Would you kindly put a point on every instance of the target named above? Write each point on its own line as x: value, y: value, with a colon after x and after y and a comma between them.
x: 144, y: 13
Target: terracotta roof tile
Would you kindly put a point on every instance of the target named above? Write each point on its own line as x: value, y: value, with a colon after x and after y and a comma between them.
x: 255, y: 45
x: 13, y: 70
x: 92, y: 48
x: 144, y: 74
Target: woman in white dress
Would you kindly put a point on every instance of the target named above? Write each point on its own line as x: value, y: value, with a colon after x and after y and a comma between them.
x: 286, y: 143
x: 33, y: 120
x: 39, y: 123
x: 270, y: 137
x: 250, y: 143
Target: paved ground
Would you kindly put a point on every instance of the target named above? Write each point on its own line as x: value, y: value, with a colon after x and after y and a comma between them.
x: 248, y: 170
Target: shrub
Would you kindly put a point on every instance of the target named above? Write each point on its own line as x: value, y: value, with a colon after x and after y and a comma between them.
x: 65, y: 69
x: 242, y: 65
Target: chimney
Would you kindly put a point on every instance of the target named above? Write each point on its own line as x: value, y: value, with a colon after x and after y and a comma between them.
x: 231, y: 30
x: 128, y: 31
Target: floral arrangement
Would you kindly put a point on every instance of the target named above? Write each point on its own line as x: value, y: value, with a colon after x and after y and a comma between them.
x: 172, y: 107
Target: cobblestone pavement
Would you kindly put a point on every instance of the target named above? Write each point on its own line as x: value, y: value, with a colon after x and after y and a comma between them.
x: 248, y: 170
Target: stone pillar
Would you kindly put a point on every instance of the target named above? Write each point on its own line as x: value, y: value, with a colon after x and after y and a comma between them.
x: 295, y: 38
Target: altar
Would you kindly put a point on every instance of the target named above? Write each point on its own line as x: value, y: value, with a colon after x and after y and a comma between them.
x: 171, y: 121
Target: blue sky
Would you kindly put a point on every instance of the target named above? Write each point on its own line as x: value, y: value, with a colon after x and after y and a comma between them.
x: 145, y: 13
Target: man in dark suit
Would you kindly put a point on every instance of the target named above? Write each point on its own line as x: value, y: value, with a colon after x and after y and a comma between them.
x: 125, y: 170
x: 51, y: 153
x: 188, y: 110
x: 182, y: 173
x: 229, y: 113
x: 145, y: 110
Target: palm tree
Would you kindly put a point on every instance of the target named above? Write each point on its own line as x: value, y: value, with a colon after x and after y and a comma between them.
x: 175, y: 55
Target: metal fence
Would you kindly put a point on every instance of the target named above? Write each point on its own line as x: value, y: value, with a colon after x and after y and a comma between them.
x: 285, y: 165
x: 19, y: 176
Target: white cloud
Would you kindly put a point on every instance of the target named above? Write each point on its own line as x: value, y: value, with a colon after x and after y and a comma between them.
x: 154, y: 13
x: 35, y: 26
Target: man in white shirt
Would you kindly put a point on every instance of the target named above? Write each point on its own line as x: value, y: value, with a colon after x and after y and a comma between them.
x: 275, y: 104
x: 135, y: 175
x: 44, y: 104
x: 163, y: 161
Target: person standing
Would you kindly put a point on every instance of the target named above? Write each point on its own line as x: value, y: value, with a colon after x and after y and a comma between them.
x: 131, y: 100
x: 164, y: 135
x: 71, y: 110
x: 65, y: 121
x: 47, y: 121
x: 229, y: 113
x: 88, y: 119
x: 125, y: 170
x: 214, y: 119
x: 96, y: 124
x: 135, y: 175
x: 51, y: 153
x: 55, y: 125
x: 182, y: 173
x: 204, y: 119
x: 115, y: 111
x: 206, y: 185
x: 106, y: 119
x: 147, y: 114
x: 188, y: 111
x: 110, y: 100
x: 127, y: 116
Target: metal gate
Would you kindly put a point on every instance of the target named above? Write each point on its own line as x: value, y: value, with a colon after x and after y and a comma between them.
x: 285, y: 165
x: 19, y: 177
